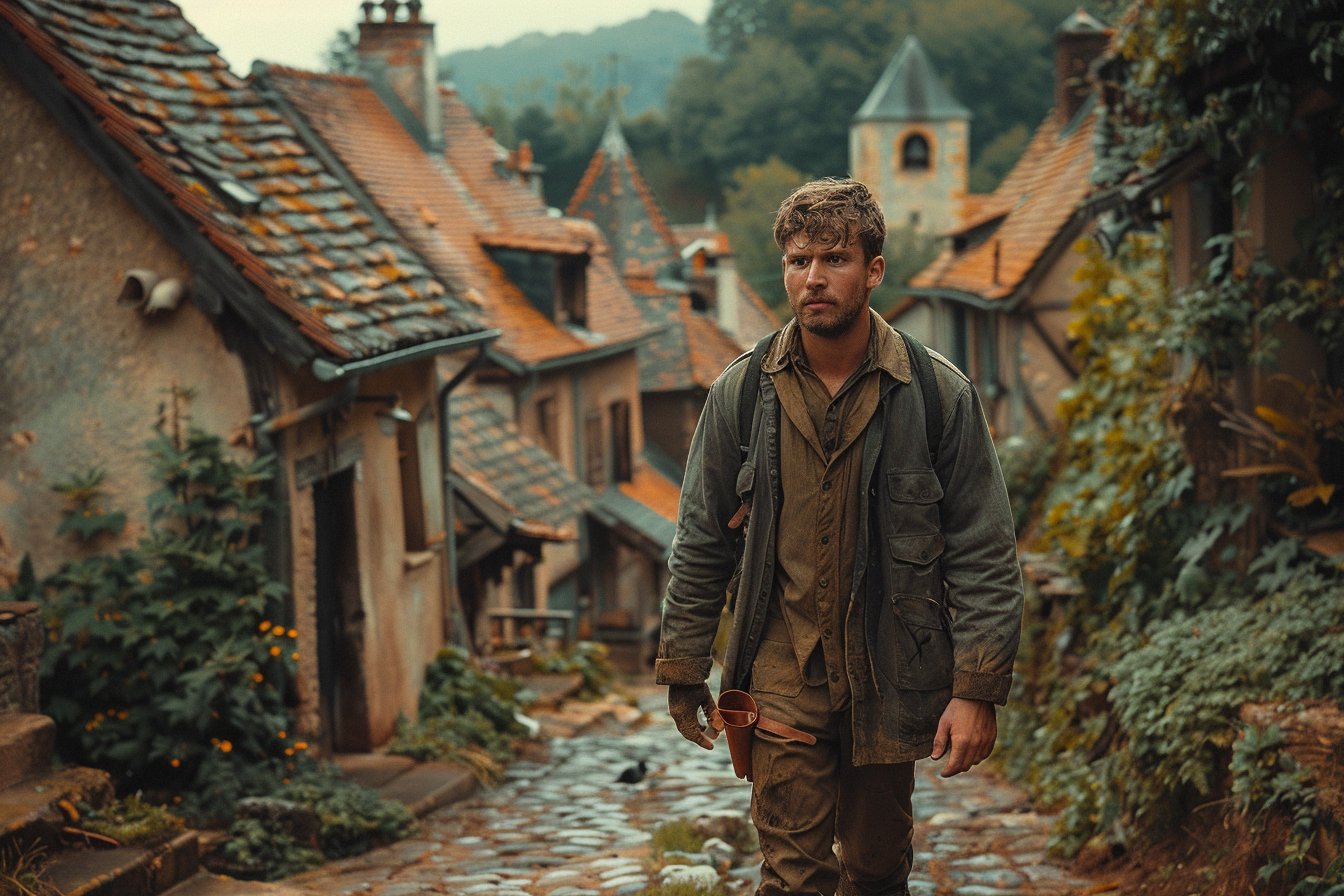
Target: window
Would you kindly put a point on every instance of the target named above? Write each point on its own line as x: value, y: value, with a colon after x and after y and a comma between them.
x: 572, y: 288
x: 594, y: 458
x: 620, y: 441
x: 548, y: 425
x: 421, y: 494
x: 915, y: 153
x: 412, y: 496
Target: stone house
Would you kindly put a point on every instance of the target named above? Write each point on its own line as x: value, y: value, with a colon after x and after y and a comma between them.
x: 167, y: 227
x: 564, y: 369
x: 685, y: 284
x: 996, y: 300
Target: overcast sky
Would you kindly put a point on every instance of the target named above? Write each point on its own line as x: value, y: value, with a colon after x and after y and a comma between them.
x: 294, y: 32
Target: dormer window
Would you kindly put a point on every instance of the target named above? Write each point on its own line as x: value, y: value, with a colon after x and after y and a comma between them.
x: 571, y: 288
x: 915, y: 153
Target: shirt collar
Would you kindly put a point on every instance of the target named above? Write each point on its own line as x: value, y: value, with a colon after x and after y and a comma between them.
x: 886, y: 351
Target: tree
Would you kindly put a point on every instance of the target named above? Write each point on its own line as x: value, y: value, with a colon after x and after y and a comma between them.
x: 753, y: 199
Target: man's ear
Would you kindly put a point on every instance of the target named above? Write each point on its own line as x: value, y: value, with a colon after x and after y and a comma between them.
x: 877, y: 269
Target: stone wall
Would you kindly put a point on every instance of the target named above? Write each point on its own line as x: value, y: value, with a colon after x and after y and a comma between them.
x: 20, y: 650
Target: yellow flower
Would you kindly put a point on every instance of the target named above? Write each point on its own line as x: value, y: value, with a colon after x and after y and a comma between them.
x: 294, y: 656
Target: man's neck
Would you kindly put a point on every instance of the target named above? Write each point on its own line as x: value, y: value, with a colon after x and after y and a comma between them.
x: 834, y: 359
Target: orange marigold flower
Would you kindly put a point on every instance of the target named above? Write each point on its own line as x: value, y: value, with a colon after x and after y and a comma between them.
x: 175, y: 762
x: 277, y: 629
x: 265, y: 625
x: 258, y: 677
x: 293, y: 633
x: 281, y: 734
x: 301, y: 745
x: 275, y: 650
x: 226, y: 747
x: 294, y: 656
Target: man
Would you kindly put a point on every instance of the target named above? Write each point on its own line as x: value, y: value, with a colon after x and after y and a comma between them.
x: 879, y: 600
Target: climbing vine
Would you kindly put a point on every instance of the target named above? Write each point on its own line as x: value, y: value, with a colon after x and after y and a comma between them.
x: 1196, y: 594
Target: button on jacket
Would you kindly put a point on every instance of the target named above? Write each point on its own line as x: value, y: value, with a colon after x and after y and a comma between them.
x: 935, y: 600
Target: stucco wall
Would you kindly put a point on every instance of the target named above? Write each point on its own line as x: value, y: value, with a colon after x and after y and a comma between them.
x: 82, y: 377
x: 398, y: 623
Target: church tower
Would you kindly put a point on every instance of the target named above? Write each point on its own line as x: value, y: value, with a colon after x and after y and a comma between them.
x: 909, y: 143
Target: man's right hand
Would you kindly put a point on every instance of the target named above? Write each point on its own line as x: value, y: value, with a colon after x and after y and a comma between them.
x: 685, y: 702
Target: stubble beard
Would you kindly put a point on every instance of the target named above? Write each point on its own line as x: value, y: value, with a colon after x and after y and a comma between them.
x: 835, y: 326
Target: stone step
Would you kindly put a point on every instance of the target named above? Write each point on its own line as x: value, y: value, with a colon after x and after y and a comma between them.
x: 205, y: 884
x: 30, y: 810
x: 125, y: 870
x: 27, y: 742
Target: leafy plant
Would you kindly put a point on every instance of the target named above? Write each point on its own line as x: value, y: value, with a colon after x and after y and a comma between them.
x: 23, y: 872
x: 588, y: 658
x: 167, y: 663
x: 1265, y: 781
x: 465, y: 713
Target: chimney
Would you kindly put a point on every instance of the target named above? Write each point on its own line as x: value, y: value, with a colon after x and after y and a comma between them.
x: 1078, y: 41
x: 396, y: 53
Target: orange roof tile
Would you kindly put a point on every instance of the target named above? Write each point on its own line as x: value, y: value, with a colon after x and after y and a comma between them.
x: 230, y: 160
x: 1039, y: 196
x: 445, y: 207
x: 655, y: 491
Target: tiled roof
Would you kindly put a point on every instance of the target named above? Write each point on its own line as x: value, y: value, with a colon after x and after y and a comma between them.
x: 910, y: 90
x: 490, y: 453
x: 689, y: 353
x: 451, y: 208
x: 655, y: 491
x: 1036, y: 199
x: 229, y: 160
x: 614, y: 195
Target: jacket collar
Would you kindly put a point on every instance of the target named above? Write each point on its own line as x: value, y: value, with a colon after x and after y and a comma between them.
x: 886, y: 350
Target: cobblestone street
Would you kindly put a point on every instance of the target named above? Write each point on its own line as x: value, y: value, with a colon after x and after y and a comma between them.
x: 561, y: 825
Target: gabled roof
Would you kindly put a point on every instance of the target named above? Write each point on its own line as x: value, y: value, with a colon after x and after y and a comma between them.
x: 540, y: 497
x: 268, y: 228
x: 614, y: 195
x: 910, y: 90
x: 1037, y: 199
x: 454, y: 209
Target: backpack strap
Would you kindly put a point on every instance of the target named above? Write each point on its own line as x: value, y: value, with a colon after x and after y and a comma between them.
x: 751, y: 390
x: 922, y: 365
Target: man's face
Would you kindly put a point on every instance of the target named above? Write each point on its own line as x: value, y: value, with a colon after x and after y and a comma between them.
x: 828, y: 286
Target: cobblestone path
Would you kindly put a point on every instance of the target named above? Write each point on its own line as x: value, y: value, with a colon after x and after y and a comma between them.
x: 561, y: 825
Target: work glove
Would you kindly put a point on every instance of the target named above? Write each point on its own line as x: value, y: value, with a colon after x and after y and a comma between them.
x: 685, y: 702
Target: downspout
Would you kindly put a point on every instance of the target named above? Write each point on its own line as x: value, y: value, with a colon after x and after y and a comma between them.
x: 454, y: 621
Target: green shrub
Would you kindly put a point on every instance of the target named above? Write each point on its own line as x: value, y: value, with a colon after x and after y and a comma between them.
x: 133, y: 822
x: 466, y: 713
x: 1025, y: 460
x: 588, y: 658
x: 677, y: 835
x: 168, y: 664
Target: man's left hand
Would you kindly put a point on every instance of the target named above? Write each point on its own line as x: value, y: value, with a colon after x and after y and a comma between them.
x: 970, y: 728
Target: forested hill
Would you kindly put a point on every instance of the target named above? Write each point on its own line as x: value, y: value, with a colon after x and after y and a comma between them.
x: 646, y: 53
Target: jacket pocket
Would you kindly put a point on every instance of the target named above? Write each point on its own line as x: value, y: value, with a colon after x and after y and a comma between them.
x: 915, y: 659
x: 914, y: 486
x: 775, y: 670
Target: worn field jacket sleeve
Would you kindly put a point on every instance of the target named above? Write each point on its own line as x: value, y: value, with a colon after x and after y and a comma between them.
x: 703, y: 551
x: 980, y: 555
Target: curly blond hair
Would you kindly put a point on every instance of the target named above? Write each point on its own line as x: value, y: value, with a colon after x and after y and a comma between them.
x: 832, y: 211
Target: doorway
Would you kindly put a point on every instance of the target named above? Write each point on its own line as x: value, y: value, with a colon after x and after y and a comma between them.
x: 340, y: 617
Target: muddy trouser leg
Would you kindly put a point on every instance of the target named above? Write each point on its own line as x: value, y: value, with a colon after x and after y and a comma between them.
x: 793, y: 796
x: 874, y: 827
x: 805, y: 798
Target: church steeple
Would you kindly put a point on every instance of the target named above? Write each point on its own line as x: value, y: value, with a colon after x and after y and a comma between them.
x: 908, y: 142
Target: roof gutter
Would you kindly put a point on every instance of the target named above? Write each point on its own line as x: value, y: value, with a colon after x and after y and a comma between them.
x: 518, y: 368
x: 328, y: 371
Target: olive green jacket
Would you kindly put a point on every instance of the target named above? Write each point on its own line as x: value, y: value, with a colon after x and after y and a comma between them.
x: 936, y: 603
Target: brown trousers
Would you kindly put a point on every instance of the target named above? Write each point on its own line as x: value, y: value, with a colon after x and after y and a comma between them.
x: 826, y: 826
